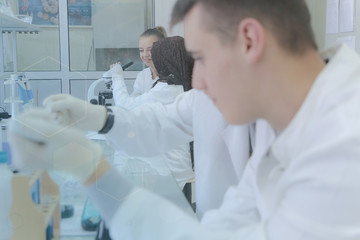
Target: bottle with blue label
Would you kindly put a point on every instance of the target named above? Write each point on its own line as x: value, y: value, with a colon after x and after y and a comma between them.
x: 5, y: 197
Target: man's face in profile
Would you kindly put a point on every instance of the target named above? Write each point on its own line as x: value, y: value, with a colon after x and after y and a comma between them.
x: 220, y: 68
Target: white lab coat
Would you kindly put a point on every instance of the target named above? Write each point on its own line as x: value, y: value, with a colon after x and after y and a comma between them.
x: 143, y: 82
x: 305, y: 187
x: 178, y: 158
x: 191, y: 117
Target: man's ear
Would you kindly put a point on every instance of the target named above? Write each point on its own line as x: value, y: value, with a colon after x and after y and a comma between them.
x: 251, y: 37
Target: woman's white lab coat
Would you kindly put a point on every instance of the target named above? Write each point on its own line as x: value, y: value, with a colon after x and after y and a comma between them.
x: 143, y: 82
x: 305, y: 187
x: 220, y: 151
x: 178, y: 158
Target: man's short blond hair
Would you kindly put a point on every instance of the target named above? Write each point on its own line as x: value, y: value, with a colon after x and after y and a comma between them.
x: 288, y: 20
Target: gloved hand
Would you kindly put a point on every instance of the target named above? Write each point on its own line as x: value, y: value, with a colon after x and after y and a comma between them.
x: 117, y: 76
x: 70, y: 111
x: 116, y: 69
x: 38, y: 143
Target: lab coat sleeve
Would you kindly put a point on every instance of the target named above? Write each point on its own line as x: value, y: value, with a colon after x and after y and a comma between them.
x: 139, y: 84
x: 107, y: 197
x: 121, y: 95
x: 135, y: 213
x: 146, y: 216
x: 153, y: 128
x: 239, y: 207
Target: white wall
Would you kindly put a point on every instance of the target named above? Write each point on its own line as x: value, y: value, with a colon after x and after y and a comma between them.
x: 334, y: 38
x: 163, y: 9
x: 108, y: 34
x: 318, y: 20
x: 318, y: 10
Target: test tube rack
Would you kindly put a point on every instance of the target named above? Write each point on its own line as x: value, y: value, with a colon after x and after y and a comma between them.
x: 31, y: 220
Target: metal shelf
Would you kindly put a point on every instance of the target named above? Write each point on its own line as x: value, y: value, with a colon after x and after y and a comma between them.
x: 9, y: 23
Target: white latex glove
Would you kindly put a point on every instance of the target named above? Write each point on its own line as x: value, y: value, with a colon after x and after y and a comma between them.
x: 70, y: 111
x: 38, y: 143
x: 116, y: 69
x: 117, y: 76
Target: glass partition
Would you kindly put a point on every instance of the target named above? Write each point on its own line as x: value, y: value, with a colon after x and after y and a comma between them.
x: 104, y: 32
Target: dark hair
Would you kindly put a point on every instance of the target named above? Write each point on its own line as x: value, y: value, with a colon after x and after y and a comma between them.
x: 158, y: 31
x: 174, y: 66
x: 289, y: 20
x: 172, y: 62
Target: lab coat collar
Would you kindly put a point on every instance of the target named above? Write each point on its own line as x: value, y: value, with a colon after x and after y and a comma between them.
x: 342, y: 60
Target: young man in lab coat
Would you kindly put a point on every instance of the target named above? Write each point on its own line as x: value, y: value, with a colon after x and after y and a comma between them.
x: 254, y: 59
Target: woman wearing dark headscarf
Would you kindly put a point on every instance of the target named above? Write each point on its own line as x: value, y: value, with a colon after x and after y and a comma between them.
x: 174, y: 67
x: 173, y: 64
